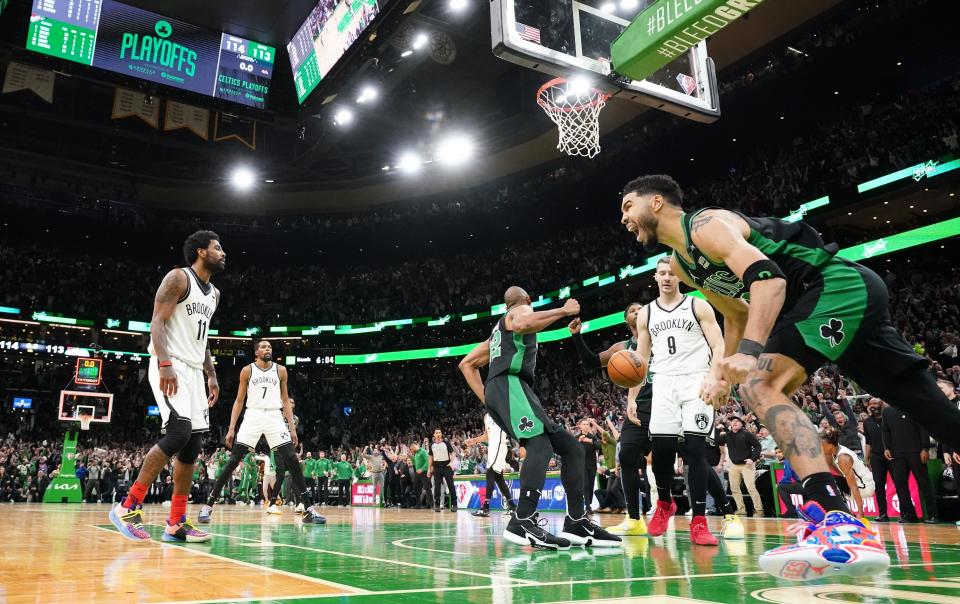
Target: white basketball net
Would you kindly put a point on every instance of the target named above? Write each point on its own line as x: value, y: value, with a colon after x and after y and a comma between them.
x: 576, y: 115
x: 85, y: 421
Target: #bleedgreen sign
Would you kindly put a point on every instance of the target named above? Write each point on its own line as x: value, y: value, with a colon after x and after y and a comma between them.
x: 669, y: 28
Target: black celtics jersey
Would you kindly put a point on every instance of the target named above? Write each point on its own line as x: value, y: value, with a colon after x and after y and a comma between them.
x: 512, y: 353
x: 795, y: 246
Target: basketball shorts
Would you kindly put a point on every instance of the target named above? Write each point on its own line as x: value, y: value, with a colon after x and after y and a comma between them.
x: 497, y: 448
x: 515, y: 407
x: 677, y: 407
x: 266, y: 422
x: 843, y: 319
x: 190, y: 400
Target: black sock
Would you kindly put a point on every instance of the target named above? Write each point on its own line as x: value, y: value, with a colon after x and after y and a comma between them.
x: 822, y: 488
x: 631, y: 460
x: 715, y: 488
x: 533, y: 474
x: 696, y: 456
x: 664, y: 456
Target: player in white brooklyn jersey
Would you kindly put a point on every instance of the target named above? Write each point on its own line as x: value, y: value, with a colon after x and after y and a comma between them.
x: 498, y: 446
x: 685, y: 339
x: 182, y: 310
x: 263, y: 388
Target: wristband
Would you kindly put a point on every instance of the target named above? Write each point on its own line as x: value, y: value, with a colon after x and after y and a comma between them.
x: 750, y: 347
x: 167, y: 363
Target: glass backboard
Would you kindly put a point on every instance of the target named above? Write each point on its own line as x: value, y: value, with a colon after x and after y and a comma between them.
x: 570, y: 37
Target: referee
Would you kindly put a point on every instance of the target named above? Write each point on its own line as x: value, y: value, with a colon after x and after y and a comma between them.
x: 441, y: 457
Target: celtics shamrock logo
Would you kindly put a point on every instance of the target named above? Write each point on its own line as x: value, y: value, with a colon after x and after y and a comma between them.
x: 526, y: 424
x: 832, y: 331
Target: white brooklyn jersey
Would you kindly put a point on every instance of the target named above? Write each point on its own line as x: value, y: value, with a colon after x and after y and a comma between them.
x: 187, y: 328
x: 860, y: 471
x: 679, y: 346
x: 263, y: 388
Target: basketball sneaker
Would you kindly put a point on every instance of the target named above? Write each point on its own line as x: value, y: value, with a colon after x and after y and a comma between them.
x: 299, y: 509
x: 205, y: 513
x: 700, y: 533
x: 584, y: 532
x: 732, y: 527
x: 129, y: 522
x: 828, y: 544
x: 185, y: 532
x: 658, y: 524
x: 312, y: 516
x: 630, y: 528
x: 481, y: 513
x: 530, y: 531
x: 274, y: 509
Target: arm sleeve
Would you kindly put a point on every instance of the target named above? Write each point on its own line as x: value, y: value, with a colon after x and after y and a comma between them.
x: 588, y: 358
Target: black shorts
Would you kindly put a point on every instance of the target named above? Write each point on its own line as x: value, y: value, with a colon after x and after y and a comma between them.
x: 515, y: 407
x: 634, y: 438
x: 844, y: 319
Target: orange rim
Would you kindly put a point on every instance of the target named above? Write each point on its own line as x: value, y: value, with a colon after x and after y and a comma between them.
x: 600, y: 97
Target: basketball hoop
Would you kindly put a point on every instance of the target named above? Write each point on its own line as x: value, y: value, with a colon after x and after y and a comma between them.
x: 576, y: 114
x: 85, y: 420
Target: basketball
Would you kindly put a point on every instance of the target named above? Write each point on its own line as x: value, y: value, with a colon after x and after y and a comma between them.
x: 626, y: 369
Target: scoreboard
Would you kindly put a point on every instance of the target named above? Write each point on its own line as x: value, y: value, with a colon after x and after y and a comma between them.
x: 89, y: 372
x: 124, y: 39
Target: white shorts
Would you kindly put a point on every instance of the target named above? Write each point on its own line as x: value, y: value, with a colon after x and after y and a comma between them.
x: 190, y: 401
x: 265, y: 422
x: 497, y: 448
x: 677, y: 408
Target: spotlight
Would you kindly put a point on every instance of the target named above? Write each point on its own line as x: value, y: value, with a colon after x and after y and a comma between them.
x: 242, y: 178
x: 578, y: 86
x: 455, y: 150
x: 628, y: 4
x: 458, y: 5
x: 608, y: 7
x: 368, y: 93
x: 409, y: 162
x: 420, y: 41
x: 406, y: 53
x: 342, y: 117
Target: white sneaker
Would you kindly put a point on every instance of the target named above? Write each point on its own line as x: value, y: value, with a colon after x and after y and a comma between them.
x: 300, y: 509
x: 689, y: 514
x: 274, y: 509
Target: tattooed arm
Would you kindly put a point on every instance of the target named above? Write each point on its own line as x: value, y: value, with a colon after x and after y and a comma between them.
x: 171, y: 289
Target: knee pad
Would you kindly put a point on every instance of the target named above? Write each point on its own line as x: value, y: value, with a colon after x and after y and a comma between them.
x: 188, y: 453
x: 177, y: 436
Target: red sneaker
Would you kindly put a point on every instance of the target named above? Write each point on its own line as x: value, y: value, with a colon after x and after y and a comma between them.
x: 700, y: 532
x: 661, y: 518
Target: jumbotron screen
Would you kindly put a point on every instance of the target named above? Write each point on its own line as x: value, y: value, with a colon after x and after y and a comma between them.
x: 328, y: 32
x: 134, y: 42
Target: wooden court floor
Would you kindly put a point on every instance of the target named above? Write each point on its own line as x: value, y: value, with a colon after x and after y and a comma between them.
x: 71, y: 554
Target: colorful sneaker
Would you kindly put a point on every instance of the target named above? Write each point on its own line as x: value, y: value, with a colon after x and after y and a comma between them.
x: 586, y: 533
x: 185, y: 532
x: 658, y: 524
x: 700, y: 533
x: 630, y: 528
x: 312, y: 516
x: 129, y: 522
x: 732, y: 527
x: 839, y: 545
x: 205, y: 513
